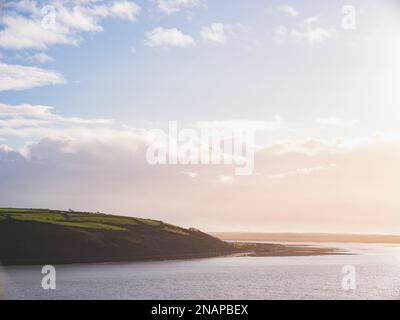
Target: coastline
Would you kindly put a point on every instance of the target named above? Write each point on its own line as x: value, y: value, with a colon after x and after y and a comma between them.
x: 45, y: 236
x: 239, y: 249
x: 256, y: 249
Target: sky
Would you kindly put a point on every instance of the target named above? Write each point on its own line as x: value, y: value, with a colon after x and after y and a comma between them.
x: 83, y: 82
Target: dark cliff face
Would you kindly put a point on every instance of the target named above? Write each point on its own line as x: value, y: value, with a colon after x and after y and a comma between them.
x: 46, y: 240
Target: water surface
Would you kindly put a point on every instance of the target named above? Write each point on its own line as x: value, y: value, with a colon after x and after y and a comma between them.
x: 316, y: 277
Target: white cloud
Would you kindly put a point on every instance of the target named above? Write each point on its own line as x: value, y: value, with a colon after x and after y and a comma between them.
x: 21, y: 122
x: 215, y: 33
x: 26, y: 33
x: 309, y: 31
x: 219, y: 33
x: 16, y: 77
x: 312, y: 32
x: 160, y: 37
x: 288, y: 10
x: 335, y: 122
x: 27, y: 26
x: 24, y: 110
x: 309, y: 147
x: 302, y: 171
x: 4, y: 148
x: 274, y: 124
x: 172, y: 6
x: 26, y: 119
x: 124, y: 10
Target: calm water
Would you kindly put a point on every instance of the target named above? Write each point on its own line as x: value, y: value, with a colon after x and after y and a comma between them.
x: 317, y: 277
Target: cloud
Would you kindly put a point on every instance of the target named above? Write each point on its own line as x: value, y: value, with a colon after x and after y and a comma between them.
x: 288, y: 10
x: 26, y: 33
x: 9, y: 156
x: 161, y: 37
x: 123, y: 10
x: 215, y: 33
x: 219, y: 33
x: 312, y: 32
x: 301, y: 171
x: 17, y: 77
x: 308, y: 147
x: 172, y: 6
x: 25, y: 110
x: 27, y: 25
x: 4, y: 148
x: 335, y: 122
x: 106, y: 170
x: 15, y: 123
x: 44, y: 113
x: 309, y: 31
x: 274, y: 124
x: 100, y: 165
x: 35, y: 121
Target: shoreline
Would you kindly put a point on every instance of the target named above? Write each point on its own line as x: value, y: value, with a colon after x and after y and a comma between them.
x: 239, y: 249
x: 257, y: 249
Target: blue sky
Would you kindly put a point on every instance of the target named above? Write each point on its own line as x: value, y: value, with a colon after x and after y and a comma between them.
x: 114, y: 74
x: 78, y: 97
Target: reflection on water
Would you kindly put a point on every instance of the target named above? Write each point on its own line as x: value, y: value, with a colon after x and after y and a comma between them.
x: 316, y: 277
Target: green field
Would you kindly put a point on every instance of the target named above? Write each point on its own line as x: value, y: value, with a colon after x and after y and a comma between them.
x: 85, y: 220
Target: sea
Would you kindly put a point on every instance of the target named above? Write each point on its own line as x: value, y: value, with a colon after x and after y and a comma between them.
x: 366, y: 271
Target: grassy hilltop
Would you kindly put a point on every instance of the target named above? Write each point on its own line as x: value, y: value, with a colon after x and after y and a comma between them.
x: 36, y: 236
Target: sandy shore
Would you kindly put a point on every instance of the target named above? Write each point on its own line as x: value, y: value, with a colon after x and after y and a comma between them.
x: 275, y: 250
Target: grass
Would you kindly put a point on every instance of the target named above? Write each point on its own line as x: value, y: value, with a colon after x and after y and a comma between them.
x: 34, y: 216
x: 61, y: 221
x: 85, y: 220
x: 149, y: 222
x: 175, y: 229
x: 115, y: 220
x: 15, y: 210
x: 88, y: 225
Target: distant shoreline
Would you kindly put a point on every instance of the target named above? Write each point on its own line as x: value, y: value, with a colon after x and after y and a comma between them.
x: 254, y: 249
x: 307, y: 237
